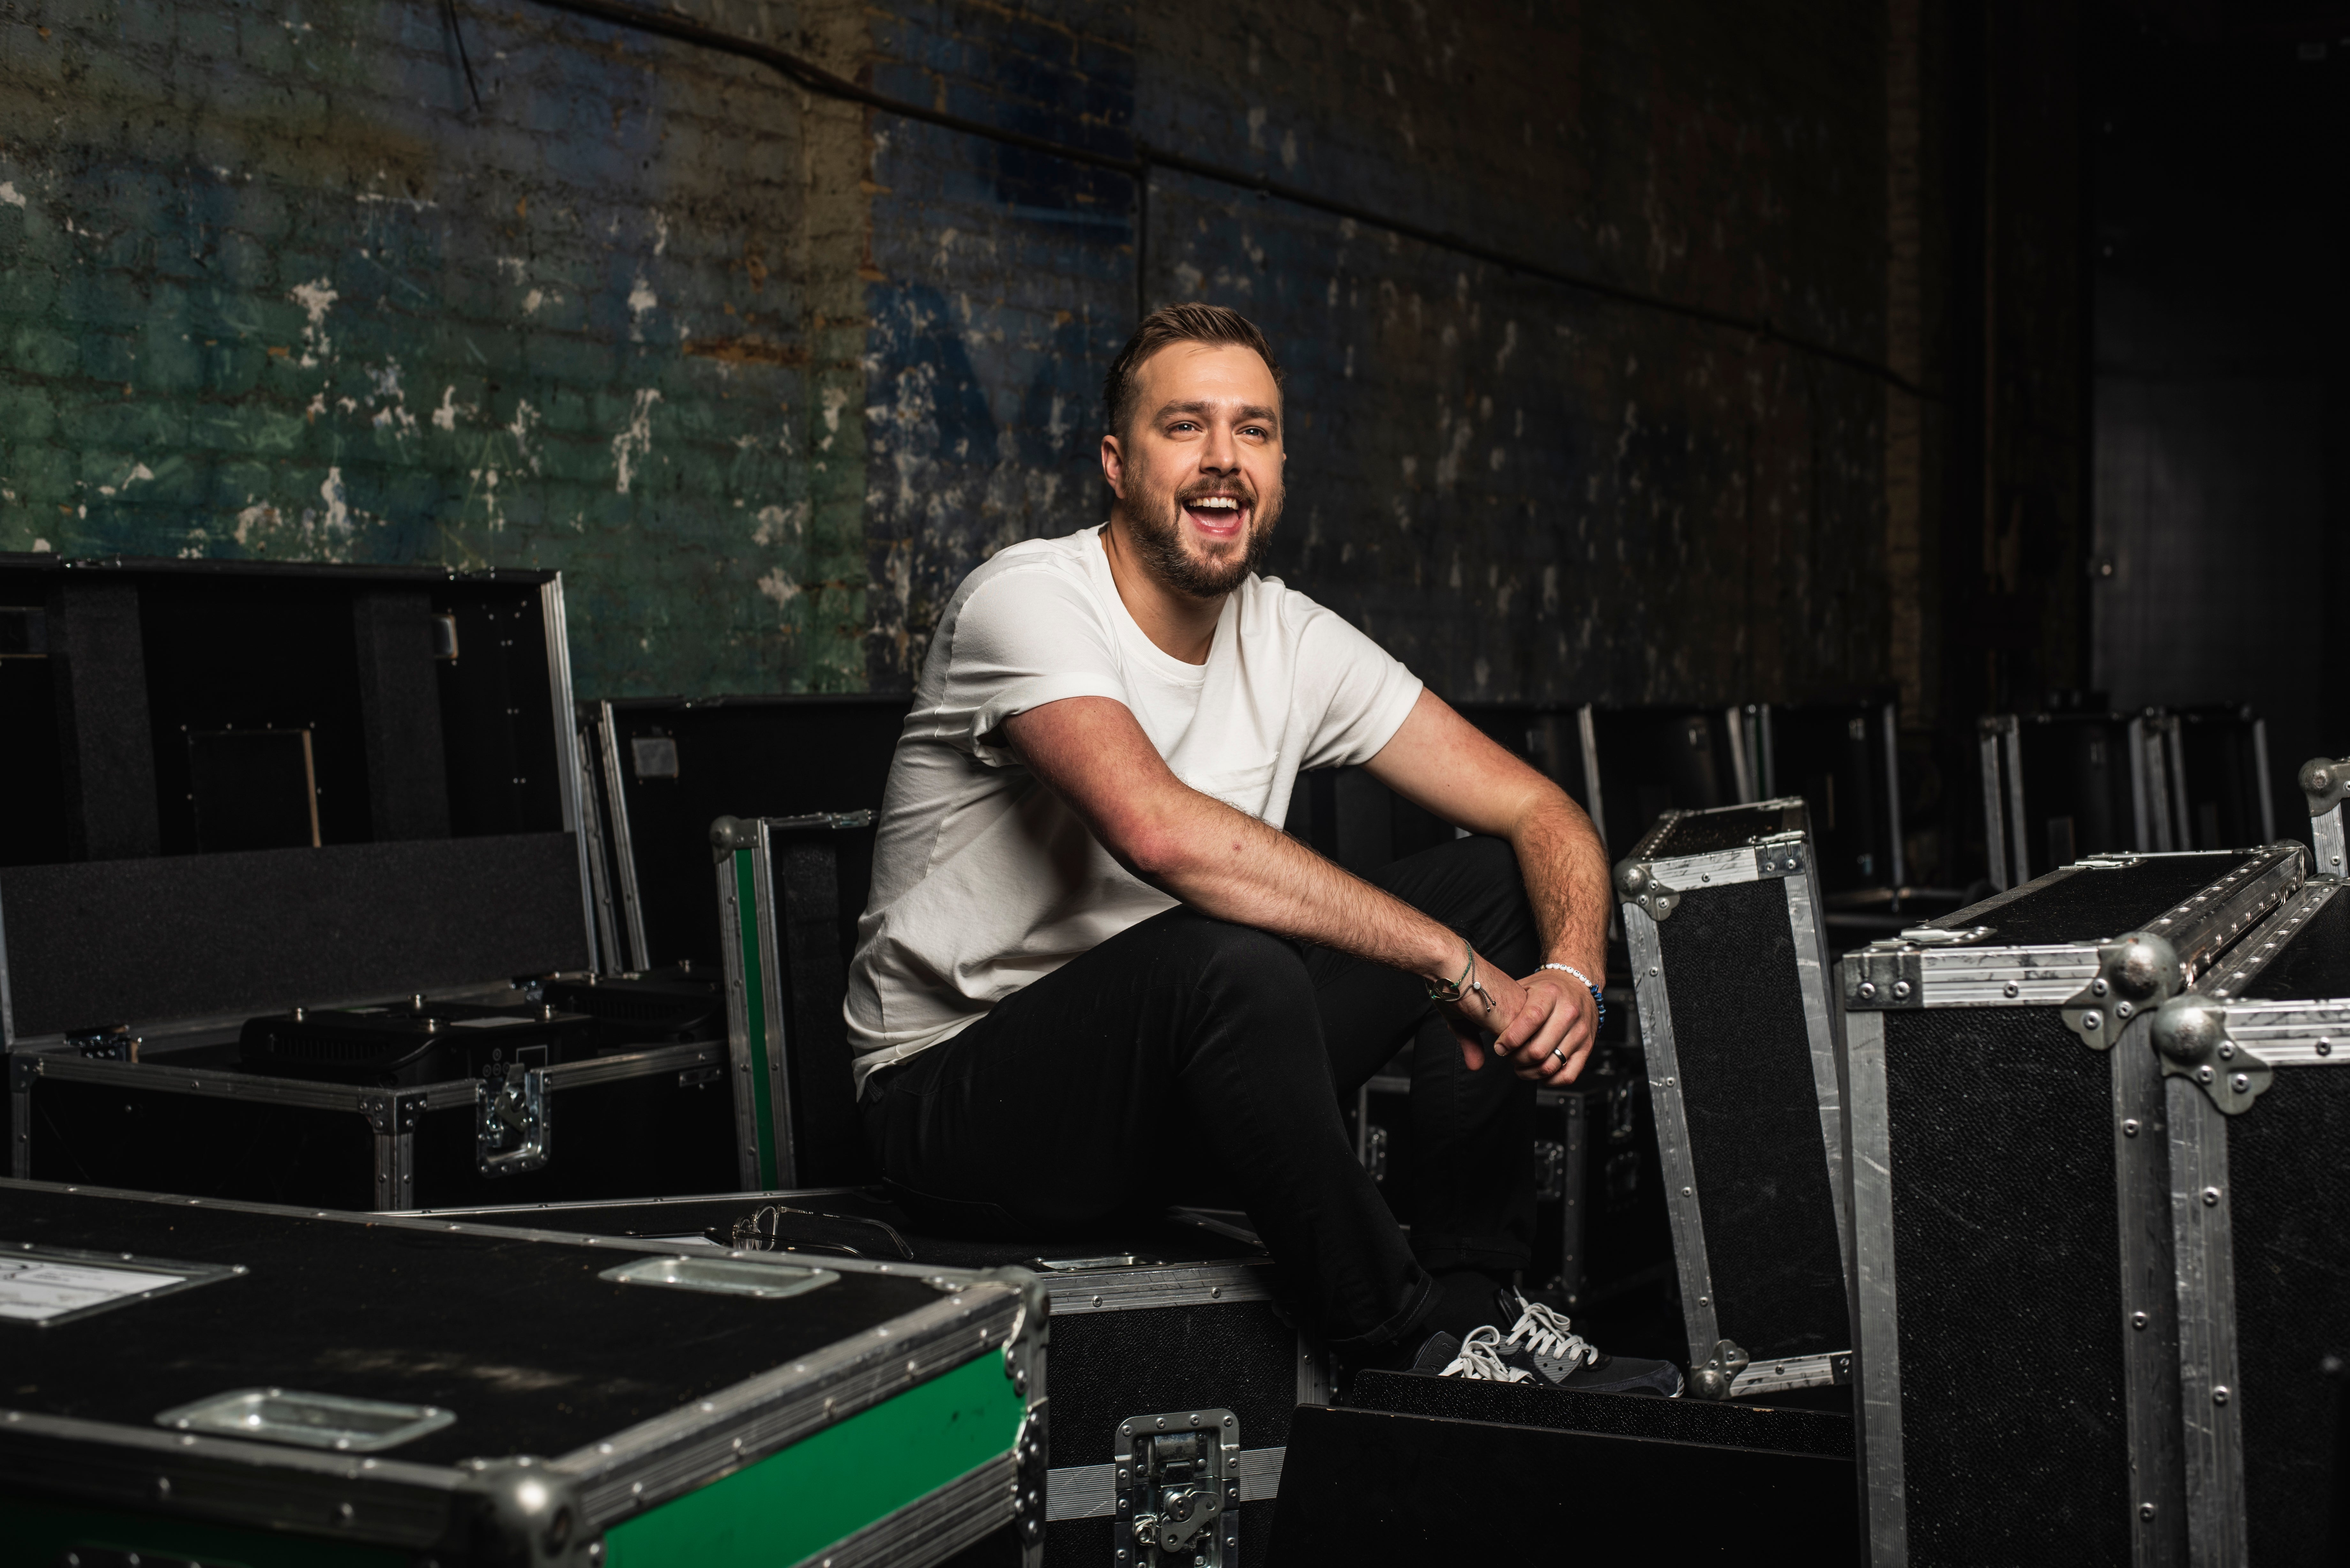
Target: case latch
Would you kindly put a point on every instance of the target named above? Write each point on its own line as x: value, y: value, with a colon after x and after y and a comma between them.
x: 1883, y: 976
x: 2139, y: 971
x: 511, y: 1127
x: 2190, y: 1041
x: 1178, y: 1489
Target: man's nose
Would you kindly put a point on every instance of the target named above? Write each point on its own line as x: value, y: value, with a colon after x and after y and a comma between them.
x: 1221, y: 454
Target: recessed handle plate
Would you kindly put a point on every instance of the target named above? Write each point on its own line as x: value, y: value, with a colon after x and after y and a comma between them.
x: 723, y: 1277
x: 308, y: 1420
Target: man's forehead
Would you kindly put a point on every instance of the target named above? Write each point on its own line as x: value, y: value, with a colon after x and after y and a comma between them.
x: 1209, y: 373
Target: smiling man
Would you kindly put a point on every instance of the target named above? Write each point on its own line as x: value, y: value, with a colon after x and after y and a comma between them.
x: 1095, y: 974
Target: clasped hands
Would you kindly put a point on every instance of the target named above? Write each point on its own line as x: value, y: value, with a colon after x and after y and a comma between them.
x: 1543, y: 1025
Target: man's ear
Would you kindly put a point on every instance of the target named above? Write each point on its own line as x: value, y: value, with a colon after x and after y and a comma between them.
x: 1113, y: 462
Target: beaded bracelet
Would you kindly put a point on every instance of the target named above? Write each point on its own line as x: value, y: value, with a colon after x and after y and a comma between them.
x: 1598, y: 1000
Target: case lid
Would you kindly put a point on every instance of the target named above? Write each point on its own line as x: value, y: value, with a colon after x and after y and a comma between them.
x: 246, y: 785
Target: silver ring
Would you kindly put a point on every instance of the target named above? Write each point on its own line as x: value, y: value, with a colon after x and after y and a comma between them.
x: 1556, y: 1054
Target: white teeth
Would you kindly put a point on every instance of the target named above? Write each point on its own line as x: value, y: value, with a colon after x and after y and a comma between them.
x: 1216, y: 503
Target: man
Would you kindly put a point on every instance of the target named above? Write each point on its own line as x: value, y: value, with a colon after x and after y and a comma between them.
x: 1094, y: 970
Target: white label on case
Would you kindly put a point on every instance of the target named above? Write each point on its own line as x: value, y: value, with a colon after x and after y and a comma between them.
x: 33, y: 1289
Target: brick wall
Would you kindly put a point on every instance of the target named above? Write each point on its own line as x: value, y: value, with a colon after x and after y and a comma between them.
x: 764, y: 374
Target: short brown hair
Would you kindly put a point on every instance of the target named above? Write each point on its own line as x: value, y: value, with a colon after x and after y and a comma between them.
x: 1192, y: 322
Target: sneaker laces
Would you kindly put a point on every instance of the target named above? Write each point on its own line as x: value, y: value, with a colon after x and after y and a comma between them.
x: 1481, y: 1358
x: 1544, y: 1331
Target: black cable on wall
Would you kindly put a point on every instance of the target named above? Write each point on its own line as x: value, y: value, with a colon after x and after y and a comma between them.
x: 1136, y: 167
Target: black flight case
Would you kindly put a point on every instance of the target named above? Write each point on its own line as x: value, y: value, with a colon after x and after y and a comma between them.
x: 2259, y: 1186
x: 304, y: 918
x: 2017, y: 1348
x: 203, y: 1384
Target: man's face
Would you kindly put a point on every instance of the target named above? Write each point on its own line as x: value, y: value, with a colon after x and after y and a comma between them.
x: 1198, y: 470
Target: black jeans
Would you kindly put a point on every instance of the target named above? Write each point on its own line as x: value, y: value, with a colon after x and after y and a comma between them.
x: 1188, y: 1053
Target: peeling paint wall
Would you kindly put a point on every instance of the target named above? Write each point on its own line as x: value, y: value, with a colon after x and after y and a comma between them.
x: 766, y: 375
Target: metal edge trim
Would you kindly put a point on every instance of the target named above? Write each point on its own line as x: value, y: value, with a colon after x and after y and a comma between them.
x: 1587, y: 732
x: 556, y: 632
x: 7, y: 998
x: 1819, y: 1030
x: 2134, y: 737
x: 1682, y: 1201
x: 635, y: 1065
x: 1716, y: 868
x: 2258, y: 949
x: 2326, y: 836
x: 186, y: 1029
x: 935, y: 1527
x: 938, y: 1275
x: 2212, y: 1432
x: 1134, y: 1289
x: 1876, y: 1355
x: 738, y: 1022
x: 1786, y: 1372
x: 624, y: 850
x: 643, y: 1466
x: 746, y: 1194
x: 768, y: 931
x: 2144, y: 1251
x: 2201, y: 927
x: 1741, y: 773
x: 1659, y: 831
x: 2021, y: 834
x: 1994, y: 817
x: 607, y: 956
x: 1892, y: 720
x: 2260, y: 770
x: 2175, y: 748
x: 231, y: 1481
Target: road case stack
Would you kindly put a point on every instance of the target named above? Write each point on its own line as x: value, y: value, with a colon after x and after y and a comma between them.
x: 304, y: 916
x: 2016, y: 1336
x: 196, y: 1382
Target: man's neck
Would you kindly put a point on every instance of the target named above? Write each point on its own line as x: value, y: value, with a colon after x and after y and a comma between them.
x: 1178, y: 625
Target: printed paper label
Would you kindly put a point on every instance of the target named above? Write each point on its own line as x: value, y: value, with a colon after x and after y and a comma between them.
x: 32, y: 1289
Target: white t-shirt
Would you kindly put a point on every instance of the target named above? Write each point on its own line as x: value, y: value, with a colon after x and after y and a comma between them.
x: 983, y: 880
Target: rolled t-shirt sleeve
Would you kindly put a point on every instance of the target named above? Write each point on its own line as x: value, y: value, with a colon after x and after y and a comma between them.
x: 1024, y: 638
x: 1365, y: 692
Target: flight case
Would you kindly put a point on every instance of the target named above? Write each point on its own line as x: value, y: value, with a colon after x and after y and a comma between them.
x: 345, y: 800
x: 2016, y: 1352
x: 194, y: 1382
x: 1722, y: 914
x: 1163, y: 1335
x: 2258, y: 1189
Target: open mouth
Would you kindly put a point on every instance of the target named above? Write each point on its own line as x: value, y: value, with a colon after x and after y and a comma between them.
x: 1218, y: 516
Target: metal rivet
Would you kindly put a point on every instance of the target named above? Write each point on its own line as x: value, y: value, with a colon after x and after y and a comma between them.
x: 2093, y: 1020
x: 2203, y: 1075
x: 2146, y: 1510
x: 2325, y: 1047
x: 2220, y: 1395
x: 2011, y: 989
x: 2241, y: 1083
x: 1868, y: 990
x: 2210, y: 1197
x: 2098, y: 988
x: 1900, y: 989
x: 2129, y: 1127
x: 2227, y: 1050
x: 1685, y: 1192
x: 2138, y: 1320
x: 2123, y: 1010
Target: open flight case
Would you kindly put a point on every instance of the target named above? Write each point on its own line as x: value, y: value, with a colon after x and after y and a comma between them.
x: 282, y: 840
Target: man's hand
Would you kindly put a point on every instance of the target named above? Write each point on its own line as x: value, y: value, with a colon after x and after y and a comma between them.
x: 1544, y: 1025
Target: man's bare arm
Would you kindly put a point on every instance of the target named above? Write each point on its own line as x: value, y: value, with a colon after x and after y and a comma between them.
x: 1439, y: 761
x: 1090, y: 752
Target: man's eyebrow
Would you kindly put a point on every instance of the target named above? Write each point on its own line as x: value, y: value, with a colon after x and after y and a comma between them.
x: 1256, y: 411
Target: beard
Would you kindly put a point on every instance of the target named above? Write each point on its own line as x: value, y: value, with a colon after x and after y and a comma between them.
x: 1157, y: 529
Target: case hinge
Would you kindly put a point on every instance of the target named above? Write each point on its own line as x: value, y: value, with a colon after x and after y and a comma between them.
x: 2190, y: 1041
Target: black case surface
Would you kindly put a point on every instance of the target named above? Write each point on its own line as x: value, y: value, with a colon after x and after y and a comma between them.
x: 1221, y: 1342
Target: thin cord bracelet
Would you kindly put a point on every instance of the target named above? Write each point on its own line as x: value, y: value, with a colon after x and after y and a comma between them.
x: 1598, y: 999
